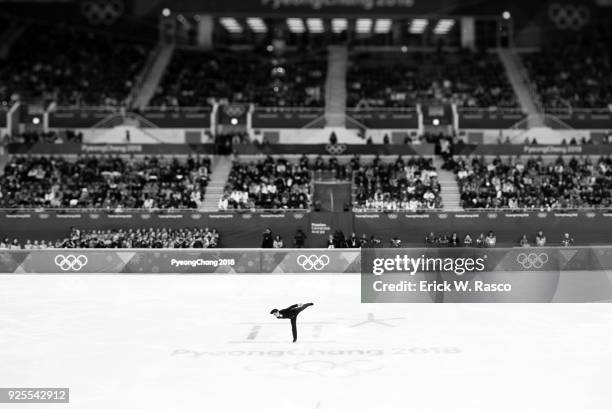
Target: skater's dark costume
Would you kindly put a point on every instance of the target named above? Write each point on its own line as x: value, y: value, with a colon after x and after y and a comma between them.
x: 291, y: 313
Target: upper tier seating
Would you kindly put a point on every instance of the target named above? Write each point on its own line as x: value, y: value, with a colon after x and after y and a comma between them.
x: 290, y: 80
x: 71, y: 67
x: 401, y: 80
x: 573, y: 74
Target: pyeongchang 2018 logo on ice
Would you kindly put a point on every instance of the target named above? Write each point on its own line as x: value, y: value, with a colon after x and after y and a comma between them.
x: 422, y: 264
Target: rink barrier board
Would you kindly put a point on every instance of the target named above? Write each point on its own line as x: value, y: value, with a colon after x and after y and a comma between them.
x: 289, y: 261
x: 244, y: 230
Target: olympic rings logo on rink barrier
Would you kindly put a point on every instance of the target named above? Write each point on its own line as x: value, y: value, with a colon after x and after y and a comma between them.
x: 313, y: 262
x: 569, y: 16
x: 532, y: 260
x: 70, y: 262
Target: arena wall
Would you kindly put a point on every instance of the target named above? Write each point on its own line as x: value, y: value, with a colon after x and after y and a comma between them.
x: 244, y: 230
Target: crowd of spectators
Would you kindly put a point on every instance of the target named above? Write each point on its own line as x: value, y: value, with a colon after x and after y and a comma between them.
x: 31, y: 138
x: 405, y: 185
x: 71, y: 66
x: 104, y: 182
x: 466, y: 78
x: 573, y: 73
x: 268, y: 184
x: 267, y: 79
x: 125, y: 238
x: 517, y: 183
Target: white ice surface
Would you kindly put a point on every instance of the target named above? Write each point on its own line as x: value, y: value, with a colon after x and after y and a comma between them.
x: 182, y: 341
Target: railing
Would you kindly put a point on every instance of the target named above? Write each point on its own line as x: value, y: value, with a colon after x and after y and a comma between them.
x: 578, y: 111
x: 12, y: 210
x: 189, y: 110
x: 68, y: 210
x: 497, y: 110
x: 302, y: 110
x: 489, y: 210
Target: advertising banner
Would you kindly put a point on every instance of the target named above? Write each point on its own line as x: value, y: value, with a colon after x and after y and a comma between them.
x: 536, y: 150
x: 111, y: 149
x: 486, y: 275
x: 338, y: 149
x: 179, y: 261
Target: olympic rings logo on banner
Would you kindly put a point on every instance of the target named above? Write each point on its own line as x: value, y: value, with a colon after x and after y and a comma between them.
x: 70, y: 262
x: 313, y: 262
x: 569, y: 16
x: 532, y: 260
x: 234, y: 110
x: 102, y: 11
x: 337, y: 149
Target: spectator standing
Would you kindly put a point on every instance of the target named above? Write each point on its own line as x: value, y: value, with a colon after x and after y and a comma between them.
x: 540, y: 239
x: 363, y: 241
x: 278, y: 242
x: 299, y: 240
x: 491, y: 239
x: 267, y: 241
x: 352, y: 242
x: 567, y: 240
x: 330, y: 242
x: 467, y: 241
x: 524, y: 242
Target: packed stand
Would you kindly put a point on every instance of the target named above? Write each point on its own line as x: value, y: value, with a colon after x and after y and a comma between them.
x: 104, y: 182
x: 404, y: 185
x: 196, y: 78
x: 533, y: 184
x: 402, y: 80
x: 124, y: 238
x: 71, y: 67
x: 31, y: 138
x: 573, y: 74
x: 268, y: 184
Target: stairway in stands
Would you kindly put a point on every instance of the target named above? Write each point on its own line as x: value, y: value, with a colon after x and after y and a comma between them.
x: 221, y: 167
x: 449, y: 189
x: 151, y: 75
x: 8, y: 35
x: 335, y: 86
x: 522, y: 85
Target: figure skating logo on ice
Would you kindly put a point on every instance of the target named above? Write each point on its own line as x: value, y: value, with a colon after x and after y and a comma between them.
x: 313, y: 262
x: 70, y: 262
x: 532, y: 260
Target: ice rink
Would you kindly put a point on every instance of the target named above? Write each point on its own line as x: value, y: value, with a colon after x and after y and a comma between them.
x: 209, y: 342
